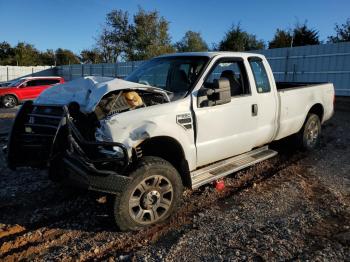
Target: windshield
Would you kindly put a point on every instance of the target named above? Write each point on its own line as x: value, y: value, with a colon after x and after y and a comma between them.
x: 176, y: 74
x: 16, y: 82
x: 4, y: 84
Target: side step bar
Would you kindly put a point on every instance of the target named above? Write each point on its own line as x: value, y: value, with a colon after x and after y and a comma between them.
x: 228, y: 166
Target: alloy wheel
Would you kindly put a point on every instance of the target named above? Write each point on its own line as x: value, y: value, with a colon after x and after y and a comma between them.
x: 151, y: 199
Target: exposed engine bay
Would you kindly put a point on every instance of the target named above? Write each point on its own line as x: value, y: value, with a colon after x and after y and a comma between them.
x: 126, y: 100
x: 77, y: 115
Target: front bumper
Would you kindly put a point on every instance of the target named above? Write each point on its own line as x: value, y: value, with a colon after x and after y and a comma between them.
x: 80, y: 174
x: 42, y: 135
x: 84, y: 171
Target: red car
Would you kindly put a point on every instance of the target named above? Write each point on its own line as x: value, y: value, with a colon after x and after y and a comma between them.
x: 27, y: 88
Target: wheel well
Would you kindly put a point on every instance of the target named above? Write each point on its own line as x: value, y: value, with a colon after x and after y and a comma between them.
x: 11, y: 95
x: 169, y: 149
x: 318, y: 110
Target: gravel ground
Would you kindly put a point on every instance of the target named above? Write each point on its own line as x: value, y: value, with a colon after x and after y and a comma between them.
x: 295, y: 206
x: 6, y: 118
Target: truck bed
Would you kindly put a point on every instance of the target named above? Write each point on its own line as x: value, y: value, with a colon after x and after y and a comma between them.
x: 294, y: 85
x: 296, y: 99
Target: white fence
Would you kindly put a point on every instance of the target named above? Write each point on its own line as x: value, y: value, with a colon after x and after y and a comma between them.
x: 8, y: 73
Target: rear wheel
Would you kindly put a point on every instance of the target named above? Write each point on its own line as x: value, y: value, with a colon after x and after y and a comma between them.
x: 151, y: 197
x: 309, y: 135
x: 9, y: 101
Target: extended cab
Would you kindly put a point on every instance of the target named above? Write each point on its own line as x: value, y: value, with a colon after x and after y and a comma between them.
x: 27, y: 88
x: 178, y: 120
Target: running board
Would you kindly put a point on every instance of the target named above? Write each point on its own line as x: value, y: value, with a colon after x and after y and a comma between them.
x: 228, y: 166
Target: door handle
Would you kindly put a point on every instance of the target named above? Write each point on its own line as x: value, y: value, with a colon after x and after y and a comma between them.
x: 254, y: 110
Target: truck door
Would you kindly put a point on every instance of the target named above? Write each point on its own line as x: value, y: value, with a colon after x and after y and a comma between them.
x: 229, y: 129
x: 267, y: 100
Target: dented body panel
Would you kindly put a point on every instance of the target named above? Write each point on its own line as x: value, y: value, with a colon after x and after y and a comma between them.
x: 134, y: 127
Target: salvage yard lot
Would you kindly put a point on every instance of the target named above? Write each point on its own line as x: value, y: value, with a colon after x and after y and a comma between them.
x: 294, y: 206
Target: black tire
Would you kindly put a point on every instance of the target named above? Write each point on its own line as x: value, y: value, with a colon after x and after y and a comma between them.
x: 9, y: 101
x: 153, y: 195
x: 309, y: 135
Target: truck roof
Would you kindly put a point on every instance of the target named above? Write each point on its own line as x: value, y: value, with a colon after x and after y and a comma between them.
x: 216, y: 53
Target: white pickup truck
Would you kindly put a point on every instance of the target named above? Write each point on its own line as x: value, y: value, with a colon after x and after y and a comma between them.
x: 178, y: 121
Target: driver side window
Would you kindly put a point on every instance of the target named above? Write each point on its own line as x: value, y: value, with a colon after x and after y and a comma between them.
x: 234, y: 72
x: 31, y: 83
x: 23, y: 85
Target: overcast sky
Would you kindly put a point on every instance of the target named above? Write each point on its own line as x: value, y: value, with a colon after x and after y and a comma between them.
x: 73, y: 24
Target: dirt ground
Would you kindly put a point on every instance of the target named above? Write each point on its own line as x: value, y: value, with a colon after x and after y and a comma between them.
x: 295, y: 206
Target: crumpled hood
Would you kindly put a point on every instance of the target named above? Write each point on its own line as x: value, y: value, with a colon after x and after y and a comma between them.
x: 87, y: 91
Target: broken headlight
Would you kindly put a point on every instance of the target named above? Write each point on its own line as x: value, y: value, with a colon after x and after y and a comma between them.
x: 115, y: 151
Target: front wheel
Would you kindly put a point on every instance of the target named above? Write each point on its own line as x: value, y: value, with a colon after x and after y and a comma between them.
x: 309, y: 135
x: 9, y: 101
x: 152, y: 196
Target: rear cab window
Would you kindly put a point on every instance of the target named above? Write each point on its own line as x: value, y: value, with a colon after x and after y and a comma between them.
x: 261, y: 78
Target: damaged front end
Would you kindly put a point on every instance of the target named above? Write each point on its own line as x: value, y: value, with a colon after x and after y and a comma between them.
x: 48, y: 137
x: 69, y: 142
x: 125, y: 100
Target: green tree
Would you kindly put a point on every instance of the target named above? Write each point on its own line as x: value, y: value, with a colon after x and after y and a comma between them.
x: 282, y: 38
x: 191, y: 42
x: 302, y: 35
x: 149, y: 36
x: 236, y: 39
x: 7, y: 54
x: 105, y: 47
x: 92, y: 56
x: 115, y: 36
x: 342, y: 33
x: 47, y: 57
x: 26, y: 55
x: 146, y: 37
x: 65, y: 57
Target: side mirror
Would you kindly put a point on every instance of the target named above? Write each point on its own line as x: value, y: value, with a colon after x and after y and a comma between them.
x: 219, y: 94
